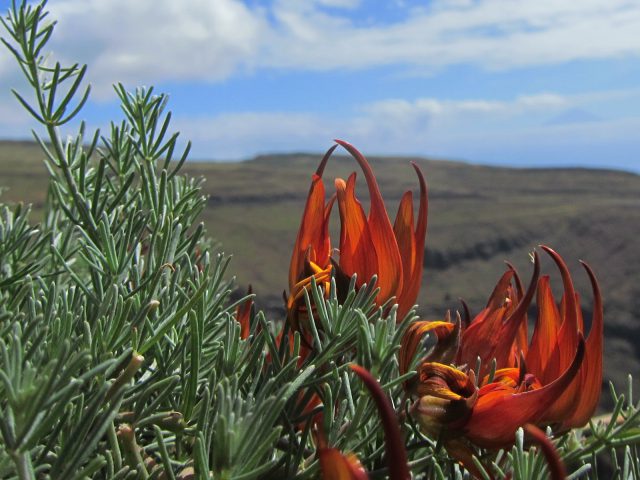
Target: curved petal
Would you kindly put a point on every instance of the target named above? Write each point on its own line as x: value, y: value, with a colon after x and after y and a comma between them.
x: 570, y: 328
x: 403, y: 230
x: 336, y: 466
x: 590, y: 376
x: 568, y: 335
x: 522, y: 338
x: 499, y: 412
x: 389, y: 266
x: 357, y: 253
x: 545, y: 333
x: 447, y: 336
x: 313, y: 234
x: 411, y: 244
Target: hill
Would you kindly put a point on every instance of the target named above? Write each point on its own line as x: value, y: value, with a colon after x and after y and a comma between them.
x: 479, y: 217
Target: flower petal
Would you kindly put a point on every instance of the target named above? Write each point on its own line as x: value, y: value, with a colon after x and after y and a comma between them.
x: 447, y: 337
x: 313, y: 234
x: 336, y: 466
x: 403, y: 230
x: 568, y: 335
x: 545, y: 334
x: 243, y: 314
x: 357, y: 252
x: 389, y: 267
x: 590, y: 375
x: 499, y: 411
x: 522, y: 337
x: 411, y: 244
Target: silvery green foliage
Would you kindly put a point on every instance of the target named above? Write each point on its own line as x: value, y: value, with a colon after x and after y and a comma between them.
x: 120, y: 356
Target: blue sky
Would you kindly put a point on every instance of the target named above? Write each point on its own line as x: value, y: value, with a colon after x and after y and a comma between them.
x: 508, y: 82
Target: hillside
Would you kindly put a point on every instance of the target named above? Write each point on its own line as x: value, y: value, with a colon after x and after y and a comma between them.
x: 479, y: 216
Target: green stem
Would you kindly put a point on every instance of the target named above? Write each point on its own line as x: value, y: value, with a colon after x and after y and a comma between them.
x: 56, y: 142
x: 23, y: 465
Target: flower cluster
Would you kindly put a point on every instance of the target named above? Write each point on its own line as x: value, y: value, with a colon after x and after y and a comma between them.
x: 478, y: 380
x: 369, y: 244
x: 552, y: 380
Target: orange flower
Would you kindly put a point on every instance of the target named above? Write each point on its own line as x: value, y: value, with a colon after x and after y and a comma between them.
x: 369, y: 244
x: 495, y: 333
x: 553, y: 380
x: 243, y: 314
x: 312, y: 250
x: 336, y: 466
x: 499, y: 332
x: 447, y: 341
x: 451, y: 406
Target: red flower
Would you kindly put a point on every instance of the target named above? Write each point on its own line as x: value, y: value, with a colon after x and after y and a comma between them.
x: 447, y: 338
x: 369, y: 244
x: 499, y: 332
x: 334, y: 465
x: 553, y: 380
x: 243, y: 314
x: 451, y: 406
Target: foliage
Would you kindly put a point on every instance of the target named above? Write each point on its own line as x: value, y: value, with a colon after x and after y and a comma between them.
x: 120, y: 353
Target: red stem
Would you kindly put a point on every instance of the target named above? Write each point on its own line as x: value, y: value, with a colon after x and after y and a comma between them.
x: 394, y: 444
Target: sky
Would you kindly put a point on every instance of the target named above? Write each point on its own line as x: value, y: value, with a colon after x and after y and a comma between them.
x: 504, y: 82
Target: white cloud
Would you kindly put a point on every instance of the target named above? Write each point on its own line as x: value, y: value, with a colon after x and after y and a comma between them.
x: 235, y: 136
x: 157, y: 40
x: 511, y: 132
x: 390, y: 126
x: 433, y: 107
x: 146, y: 41
x: 490, y: 33
x: 606, y: 143
x: 339, y: 3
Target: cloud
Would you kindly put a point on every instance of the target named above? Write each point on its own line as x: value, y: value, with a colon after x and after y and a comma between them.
x: 212, y: 40
x: 491, y: 33
x: 389, y: 125
x: 349, y: 4
x: 158, y: 40
x: 235, y: 136
x: 513, y: 132
x: 433, y: 109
